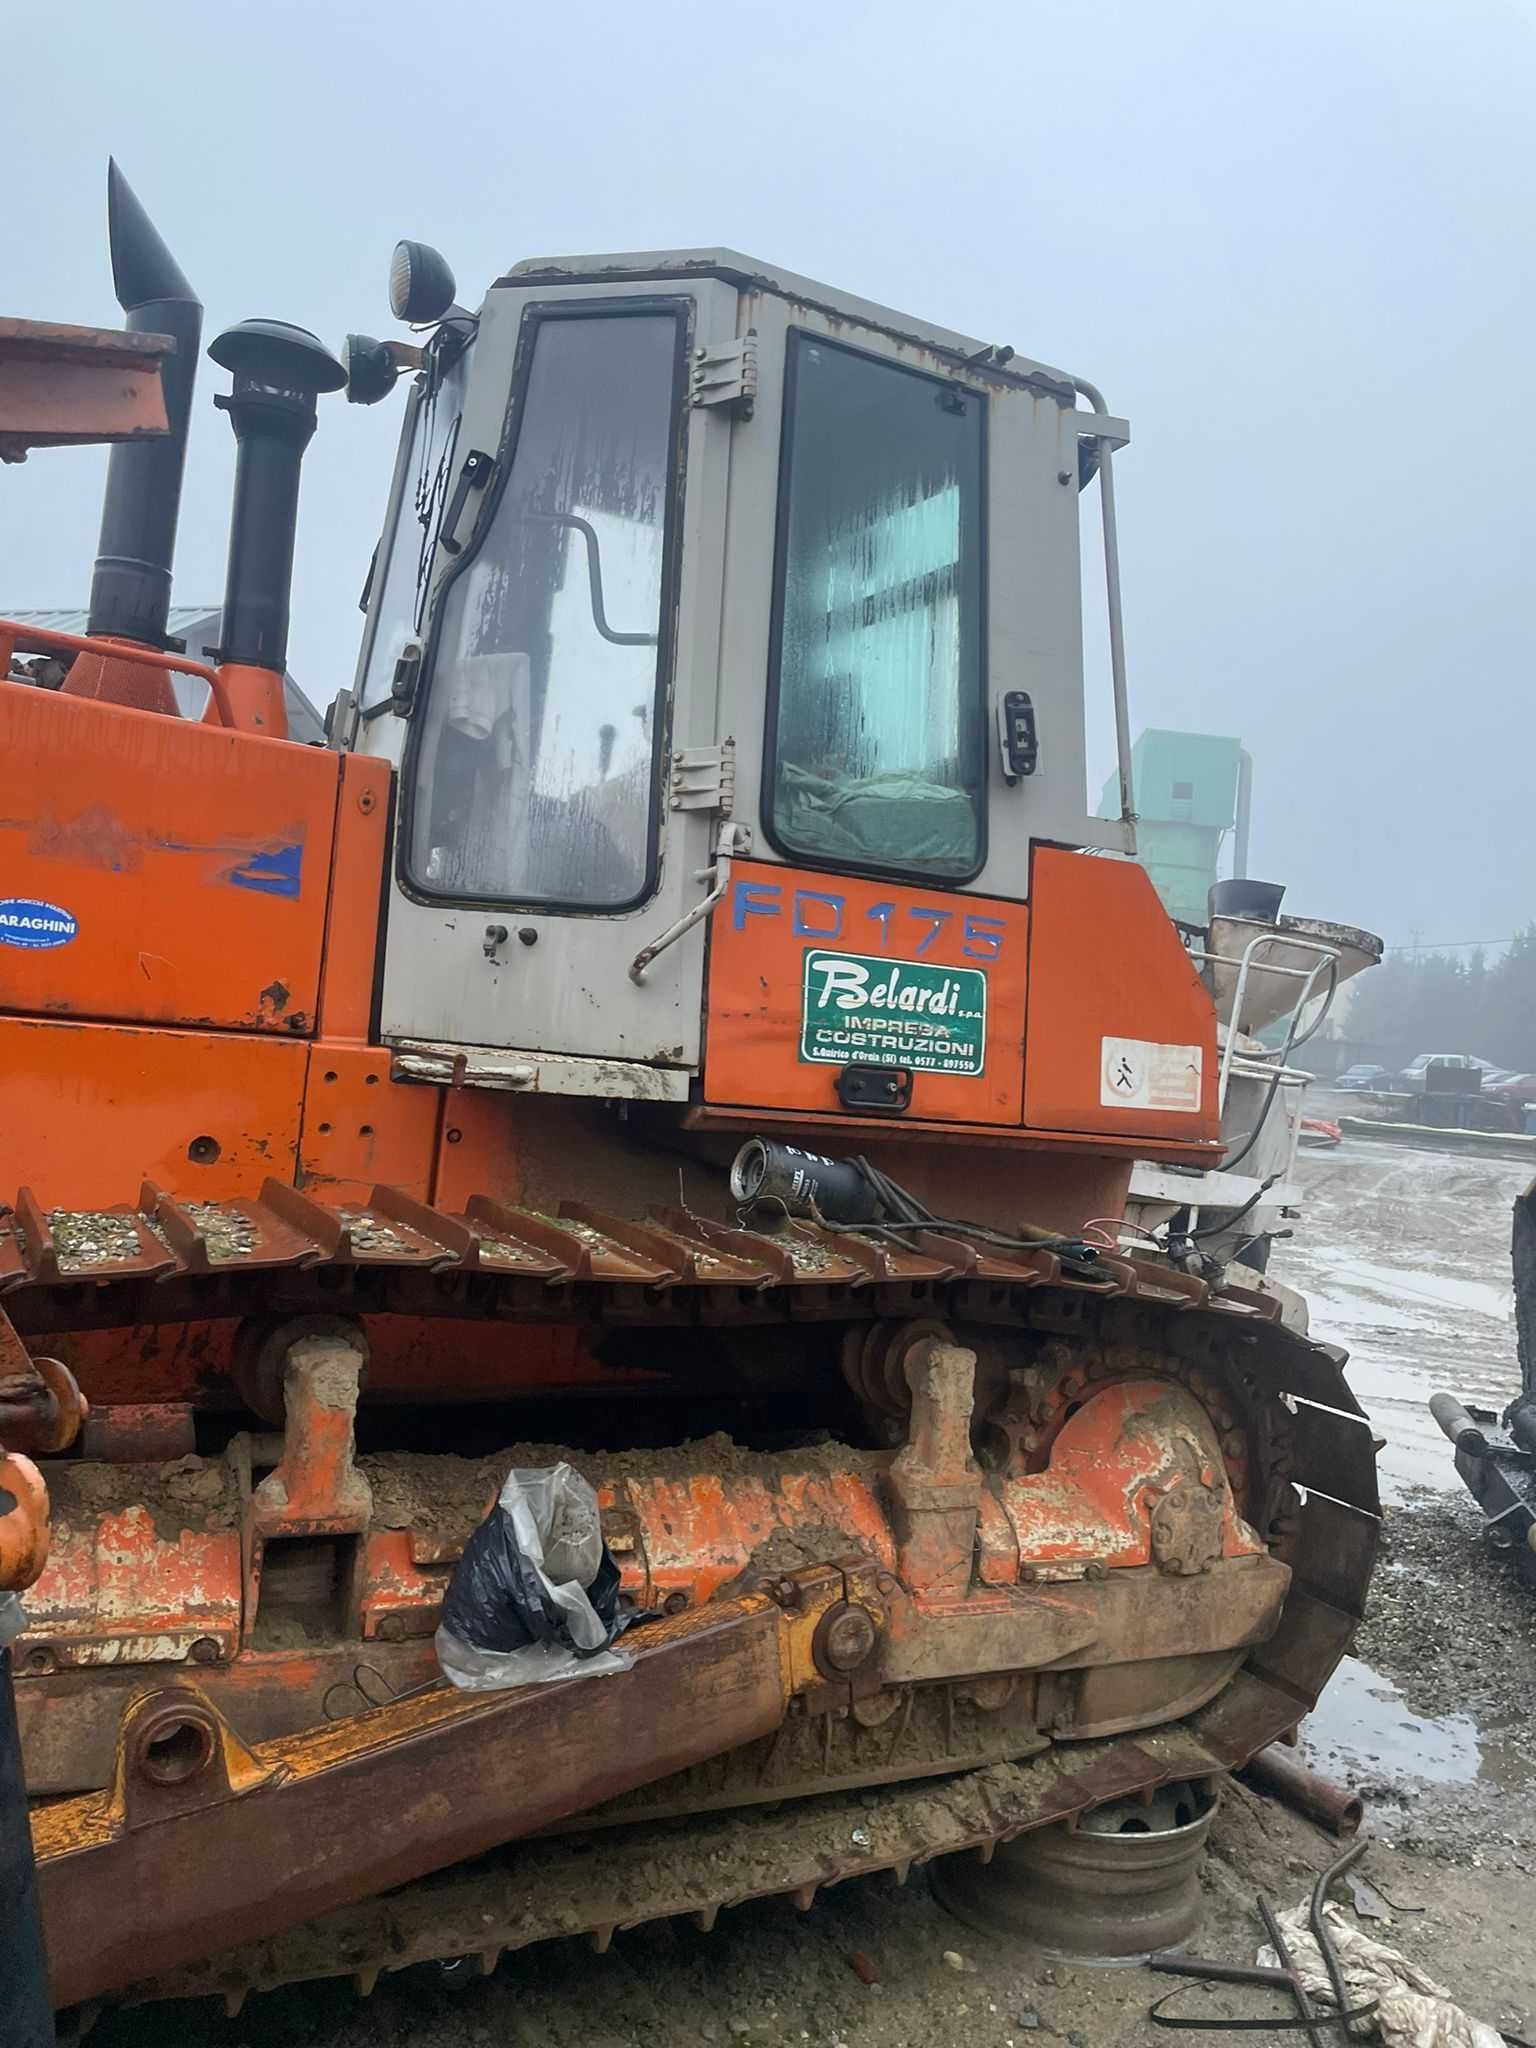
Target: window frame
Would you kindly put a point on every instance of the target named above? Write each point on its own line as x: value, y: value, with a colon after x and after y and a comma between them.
x: 682, y: 310
x: 401, y: 509
x: 794, y: 339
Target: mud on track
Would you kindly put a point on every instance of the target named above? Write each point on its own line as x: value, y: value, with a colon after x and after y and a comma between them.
x: 1405, y: 1256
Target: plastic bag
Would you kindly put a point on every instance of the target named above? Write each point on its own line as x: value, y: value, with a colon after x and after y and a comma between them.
x: 536, y: 1594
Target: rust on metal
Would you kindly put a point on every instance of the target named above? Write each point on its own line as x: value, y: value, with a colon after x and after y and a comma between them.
x: 299, y: 1825
x: 65, y: 387
x: 1333, y: 1806
x: 1010, y: 1601
x: 41, y: 1410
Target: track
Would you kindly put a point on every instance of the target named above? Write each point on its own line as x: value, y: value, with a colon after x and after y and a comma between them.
x: 707, y: 1841
x: 159, y: 1261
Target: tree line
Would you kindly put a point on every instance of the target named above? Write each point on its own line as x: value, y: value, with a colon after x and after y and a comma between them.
x: 1444, y: 1002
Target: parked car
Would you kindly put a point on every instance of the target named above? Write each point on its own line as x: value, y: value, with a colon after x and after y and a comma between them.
x: 1412, y: 1076
x: 1363, y: 1075
x: 1519, y: 1088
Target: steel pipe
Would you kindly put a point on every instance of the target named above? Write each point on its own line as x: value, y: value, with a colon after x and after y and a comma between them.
x: 1330, y: 1805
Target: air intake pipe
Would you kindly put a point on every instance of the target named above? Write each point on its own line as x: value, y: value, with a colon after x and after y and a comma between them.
x: 279, y: 371
x: 131, y: 582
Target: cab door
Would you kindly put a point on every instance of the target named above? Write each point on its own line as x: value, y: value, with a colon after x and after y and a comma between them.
x: 542, y: 837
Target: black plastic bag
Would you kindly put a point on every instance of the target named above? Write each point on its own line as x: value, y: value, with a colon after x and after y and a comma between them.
x: 536, y: 1593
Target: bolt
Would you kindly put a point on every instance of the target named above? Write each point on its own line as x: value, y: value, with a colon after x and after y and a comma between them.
x: 366, y: 801
x: 205, y: 1650
x: 527, y: 935
x: 785, y: 1592
x: 674, y: 1603
x: 453, y: 1135
x: 40, y: 1660
x: 849, y: 1638
x: 298, y: 1021
x: 1063, y: 476
x: 392, y: 1628
x: 1094, y: 1570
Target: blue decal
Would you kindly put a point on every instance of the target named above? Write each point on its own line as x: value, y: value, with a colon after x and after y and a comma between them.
x: 983, y: 938
x: 37, y: 926
x: 935, y: 921
x: 276, y: 873
x: 753, y: 899
x: 820, y: 914
x: 804, y: 929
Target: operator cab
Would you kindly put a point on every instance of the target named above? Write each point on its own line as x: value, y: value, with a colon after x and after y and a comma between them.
x: 690, y: 563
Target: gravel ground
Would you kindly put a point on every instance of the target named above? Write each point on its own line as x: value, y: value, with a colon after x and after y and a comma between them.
x: 769, y: 1976
x: 1429, y: 1721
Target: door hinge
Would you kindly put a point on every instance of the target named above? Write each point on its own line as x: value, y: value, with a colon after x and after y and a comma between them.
x: 726, y: 374
x: 704, y: 779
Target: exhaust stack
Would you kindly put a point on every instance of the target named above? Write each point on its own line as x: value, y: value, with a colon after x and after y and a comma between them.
x: 131, y: 583
x: 279, y: 371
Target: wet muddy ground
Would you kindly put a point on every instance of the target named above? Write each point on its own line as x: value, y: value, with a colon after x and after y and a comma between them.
x: 1405, y: 1258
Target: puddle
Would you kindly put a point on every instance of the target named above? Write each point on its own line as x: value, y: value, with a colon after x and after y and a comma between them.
x: 1363, y: 1729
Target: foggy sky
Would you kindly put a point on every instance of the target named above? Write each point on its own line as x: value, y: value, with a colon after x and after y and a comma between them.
x: 1292, y: 244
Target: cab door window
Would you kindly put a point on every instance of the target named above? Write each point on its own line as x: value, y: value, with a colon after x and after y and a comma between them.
x: 535, y: 777
x: 876, y: 754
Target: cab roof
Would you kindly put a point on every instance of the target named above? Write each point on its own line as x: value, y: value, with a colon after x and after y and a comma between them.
x: 746, y: 273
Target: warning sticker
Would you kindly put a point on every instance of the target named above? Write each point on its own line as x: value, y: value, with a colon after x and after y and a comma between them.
x: 1139, y: 1073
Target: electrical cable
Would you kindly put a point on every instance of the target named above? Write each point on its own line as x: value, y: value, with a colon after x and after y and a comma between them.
x: 1236, y: 1216
x: 910, y: 1214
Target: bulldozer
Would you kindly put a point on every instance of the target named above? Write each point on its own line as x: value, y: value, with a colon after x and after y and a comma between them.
x: 685, y: 1022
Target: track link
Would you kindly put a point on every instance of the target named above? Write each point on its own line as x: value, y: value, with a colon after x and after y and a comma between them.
x: 1291, y: 1413
x: 694, y: 1868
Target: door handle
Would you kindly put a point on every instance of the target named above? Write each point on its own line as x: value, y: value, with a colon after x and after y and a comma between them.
x: 474, y: 476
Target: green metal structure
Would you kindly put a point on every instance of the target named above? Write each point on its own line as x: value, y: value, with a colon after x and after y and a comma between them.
x: 1191, y: 790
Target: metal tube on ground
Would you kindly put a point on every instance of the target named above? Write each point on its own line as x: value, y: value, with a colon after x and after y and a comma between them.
x: 1172, y: 1964
x: 1332, y: 1806
x: 26, y: 2007
x: 1299, y: 1992
x: 1458, y: 1425
x: 1317, y: 1919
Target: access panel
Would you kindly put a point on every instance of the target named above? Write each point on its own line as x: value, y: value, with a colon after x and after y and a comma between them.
x: 1122, y: 1032
x: 154, y: 870
x: 812, y: 974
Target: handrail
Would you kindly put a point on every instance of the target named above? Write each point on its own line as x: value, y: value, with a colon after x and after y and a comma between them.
x: 1326, y: 956
x: 15, y: 636
x: 1110, y: 532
